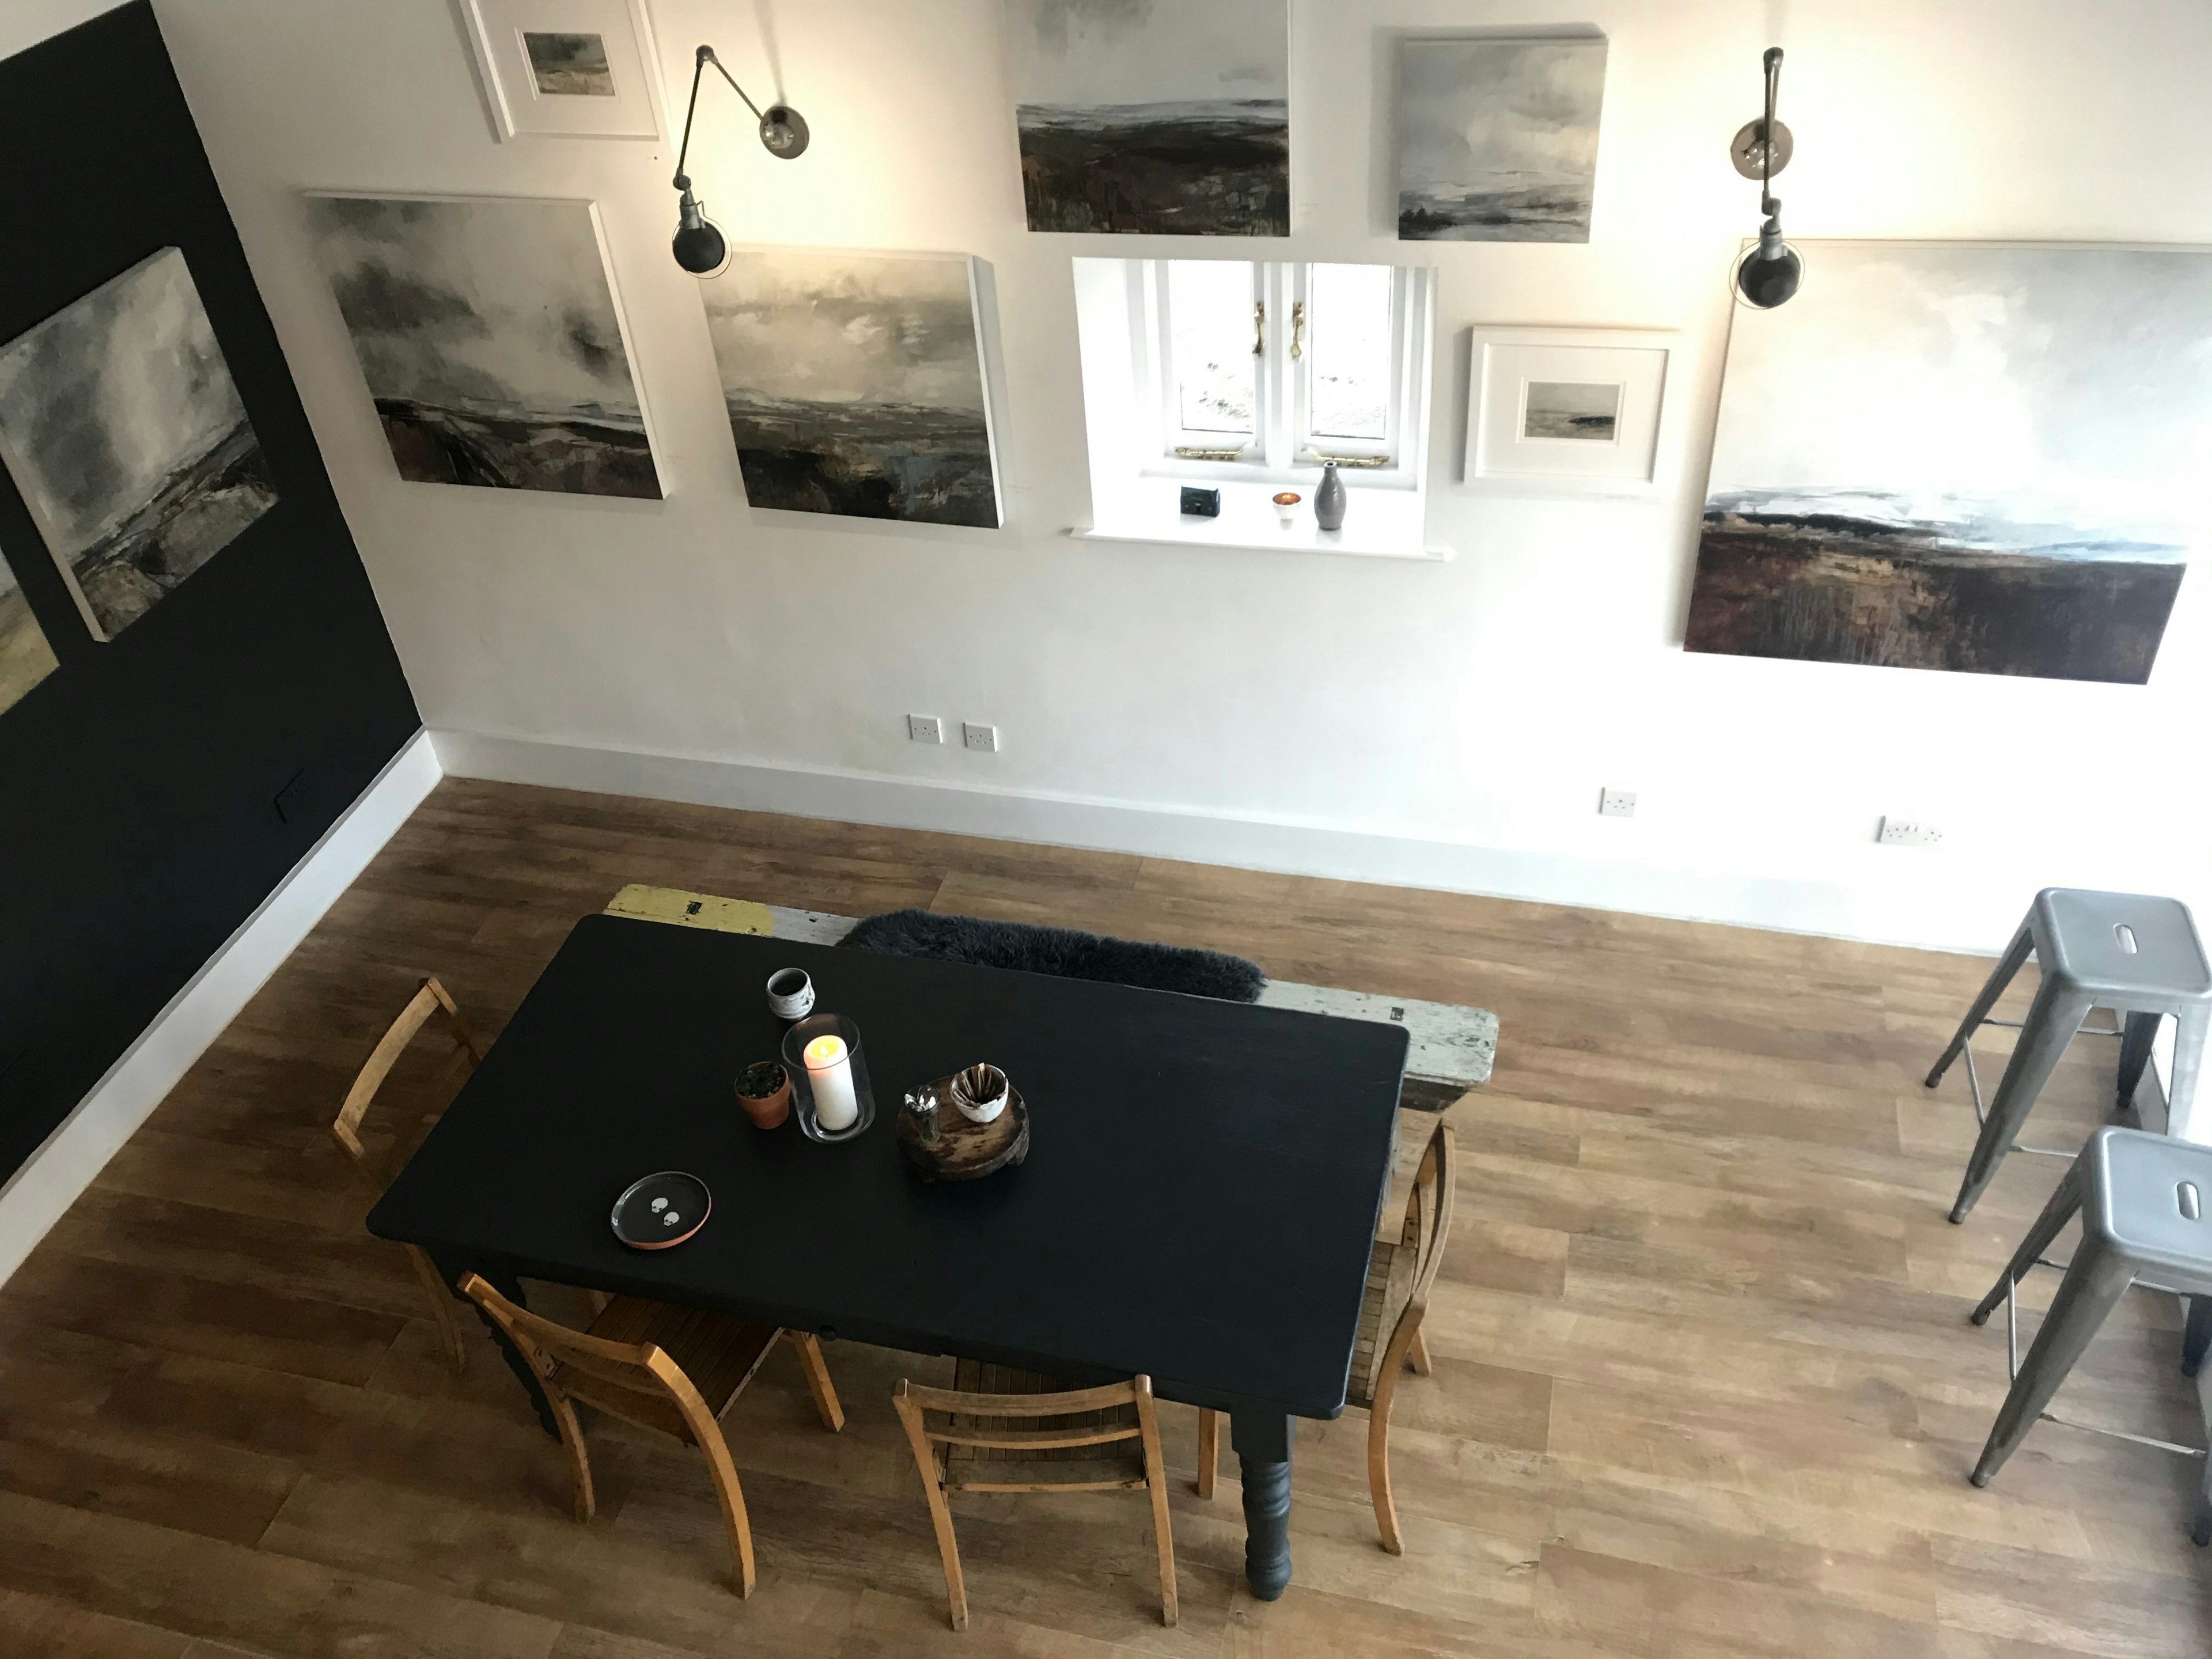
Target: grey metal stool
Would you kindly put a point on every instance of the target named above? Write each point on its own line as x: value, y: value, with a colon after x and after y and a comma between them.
x: 2146, y: 1207
x: 2136, y: 955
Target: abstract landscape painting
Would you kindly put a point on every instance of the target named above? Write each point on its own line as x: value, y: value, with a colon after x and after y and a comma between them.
x: 569, y: 65
x: 1572, y: 409
x: 1983, y: 459
x: 1497, y: 139
x: 854, y: 385
x: 25, y: 657
x: 1170, y: 117
x: 124, y: 431
x: 488, y: 331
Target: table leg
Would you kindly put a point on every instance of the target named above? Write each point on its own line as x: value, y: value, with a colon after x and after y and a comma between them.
x: 1262, y: 1440
x: 508, y: 1285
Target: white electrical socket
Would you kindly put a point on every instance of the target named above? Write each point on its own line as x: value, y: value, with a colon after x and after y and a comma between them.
x: 1908, y: 832
x: 924, y: 728
x: 984, y: 738
x: 1616, y: 802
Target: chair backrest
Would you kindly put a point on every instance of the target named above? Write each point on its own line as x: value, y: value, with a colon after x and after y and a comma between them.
x: 430, y: 999
x: 1428, y: 1213
x: 637, y: 1382
x: 956, y: 1420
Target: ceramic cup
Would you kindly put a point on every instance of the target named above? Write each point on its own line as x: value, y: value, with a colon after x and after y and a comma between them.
x: 980, y: 1093
x: 790, y: 994
x: 1286, y: 509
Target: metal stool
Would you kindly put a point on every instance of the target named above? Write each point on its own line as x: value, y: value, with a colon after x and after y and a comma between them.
x: 2136, y: 955
x: 2146, y: 1207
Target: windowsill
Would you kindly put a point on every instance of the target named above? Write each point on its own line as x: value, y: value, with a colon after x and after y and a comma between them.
x: 1378, y: 523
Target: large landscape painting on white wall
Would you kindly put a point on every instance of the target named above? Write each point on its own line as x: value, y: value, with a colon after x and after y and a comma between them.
x: 1979, y: 458
x: 124, y: 431
x: 854, y: 385
x: 25, y: 657
x: 1170, y: 117
x: 488, y: 331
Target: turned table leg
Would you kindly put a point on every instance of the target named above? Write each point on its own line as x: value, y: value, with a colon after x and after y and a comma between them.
x: 1262, y: 1442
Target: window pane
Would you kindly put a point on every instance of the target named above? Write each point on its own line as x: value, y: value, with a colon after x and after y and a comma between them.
x: 1348, y: 349
x: 1210, y: 316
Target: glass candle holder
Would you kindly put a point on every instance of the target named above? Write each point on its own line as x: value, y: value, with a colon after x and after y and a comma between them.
x: 830, y: 1090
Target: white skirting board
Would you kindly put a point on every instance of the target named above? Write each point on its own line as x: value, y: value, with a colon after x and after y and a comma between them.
x: 37, y: 1193
x: 1948, y: 916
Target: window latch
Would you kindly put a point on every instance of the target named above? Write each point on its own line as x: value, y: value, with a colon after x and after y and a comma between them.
x: 1298, y: 328
x: 1259, y: 326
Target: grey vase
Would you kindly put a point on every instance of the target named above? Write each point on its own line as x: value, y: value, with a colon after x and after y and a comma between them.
x: 1328, y: 500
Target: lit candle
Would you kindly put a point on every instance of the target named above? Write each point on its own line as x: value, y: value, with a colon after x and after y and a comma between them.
x: 829, y: 1069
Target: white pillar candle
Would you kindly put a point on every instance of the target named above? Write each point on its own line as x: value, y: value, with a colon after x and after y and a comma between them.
x: 830, y: 1070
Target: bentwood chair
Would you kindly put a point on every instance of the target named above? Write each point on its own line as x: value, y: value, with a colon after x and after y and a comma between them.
x: 1399, y: 1276
x: 1000, y: 1429
x: 430, y: 1001
x: 659, y: 1366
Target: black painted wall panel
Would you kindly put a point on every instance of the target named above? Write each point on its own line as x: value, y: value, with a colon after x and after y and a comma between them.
x: 138, y: 821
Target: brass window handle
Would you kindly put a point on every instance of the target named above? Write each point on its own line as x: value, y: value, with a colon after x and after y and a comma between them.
x: 1259, y: 326
x: 1299, y: 329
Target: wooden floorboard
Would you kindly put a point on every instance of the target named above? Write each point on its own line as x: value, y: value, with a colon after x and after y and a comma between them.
x: 1702, y: 1382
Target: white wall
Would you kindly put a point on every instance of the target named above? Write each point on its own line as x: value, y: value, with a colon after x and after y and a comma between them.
x: 1447, y: 723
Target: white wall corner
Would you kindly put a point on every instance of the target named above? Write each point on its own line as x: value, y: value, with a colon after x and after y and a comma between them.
x: 67, y: 1160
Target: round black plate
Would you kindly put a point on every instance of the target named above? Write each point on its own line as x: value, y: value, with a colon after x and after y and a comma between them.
x: 661, y: 1210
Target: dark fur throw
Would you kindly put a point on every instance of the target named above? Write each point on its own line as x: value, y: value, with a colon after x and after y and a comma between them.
x: 1060, y: 950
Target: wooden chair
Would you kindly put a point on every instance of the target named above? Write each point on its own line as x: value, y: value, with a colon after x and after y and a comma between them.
x: 1398, y: 1279
x: 996, y: 1424
x: 431, y: 1000
x: 677, y: 1370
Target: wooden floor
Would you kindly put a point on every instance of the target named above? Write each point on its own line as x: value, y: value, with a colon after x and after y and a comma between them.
x: 1703, y: 1382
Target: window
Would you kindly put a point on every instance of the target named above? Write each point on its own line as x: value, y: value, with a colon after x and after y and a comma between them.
x: 1258, y: 369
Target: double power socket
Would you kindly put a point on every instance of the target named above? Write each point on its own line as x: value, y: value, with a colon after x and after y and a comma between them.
x: 927, y: 728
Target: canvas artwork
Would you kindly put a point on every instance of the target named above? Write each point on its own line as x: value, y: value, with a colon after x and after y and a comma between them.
x: 1497, y: 139
x: 488, y: 331
x: 569, y: 65
x: 124, y: 433
x: 25, y: 657
x: 854, y: 384
x: 1160, y: 116
x: 1976, y: 457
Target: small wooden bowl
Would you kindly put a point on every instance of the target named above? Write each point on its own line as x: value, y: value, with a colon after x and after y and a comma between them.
x: 765, y: 1090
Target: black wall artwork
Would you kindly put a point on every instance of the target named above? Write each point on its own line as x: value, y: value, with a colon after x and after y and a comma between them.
x: 140, y: 823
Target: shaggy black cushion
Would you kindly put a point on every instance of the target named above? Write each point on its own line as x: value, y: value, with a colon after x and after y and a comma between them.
x: 1060, y: 950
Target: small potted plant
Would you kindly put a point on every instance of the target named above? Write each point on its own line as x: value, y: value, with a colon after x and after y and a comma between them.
x: 764, y: 1091
x: 1286, y: 508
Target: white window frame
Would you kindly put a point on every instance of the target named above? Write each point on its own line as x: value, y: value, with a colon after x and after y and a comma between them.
x: 1284, y: 450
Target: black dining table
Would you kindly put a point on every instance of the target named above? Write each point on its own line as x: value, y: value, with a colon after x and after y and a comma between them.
x: 1198, y: 1203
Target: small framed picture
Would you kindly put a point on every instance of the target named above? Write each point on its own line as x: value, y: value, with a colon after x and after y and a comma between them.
x: 1553, y: 409
x: 573, y: 69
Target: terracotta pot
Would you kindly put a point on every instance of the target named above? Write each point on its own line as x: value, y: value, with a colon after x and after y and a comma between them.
x: 764, y: 1091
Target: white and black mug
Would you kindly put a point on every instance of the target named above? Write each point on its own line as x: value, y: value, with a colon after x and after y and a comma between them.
x: 790, y: 994
x: 979, y: 1093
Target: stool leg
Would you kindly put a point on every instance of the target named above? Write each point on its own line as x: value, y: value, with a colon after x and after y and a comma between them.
x: 2137, y: 1036
x: 2200, y: 1531
x: 2008, y: 964
x: 2052, y: 1019
x: 2196, y: 1339
x: 2188, y: 1035
x: 2063, y: 1202
x: 2095, y: 1280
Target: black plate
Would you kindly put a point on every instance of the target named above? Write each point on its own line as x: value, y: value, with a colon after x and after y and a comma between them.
x: 661, y: 1210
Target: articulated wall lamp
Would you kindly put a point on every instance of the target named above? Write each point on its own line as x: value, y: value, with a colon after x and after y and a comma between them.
x: 699, y: 245
x: 1768, y: 273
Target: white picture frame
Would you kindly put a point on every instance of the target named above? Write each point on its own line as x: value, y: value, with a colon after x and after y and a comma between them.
x: 568, y: 69
x: 1539, y: 420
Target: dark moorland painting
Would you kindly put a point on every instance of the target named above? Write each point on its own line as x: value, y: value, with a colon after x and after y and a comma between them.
x: 122, y: 427
x: 854, y: 385
x: 1170, y: 117
x: 1977, y: 458
x: 568, y: 65
x: 487, y: 332
x: 1497, y: 139
x: 25, y: 657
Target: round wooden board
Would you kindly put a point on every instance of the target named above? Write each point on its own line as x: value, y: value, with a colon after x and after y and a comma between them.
x: 965, y: 1151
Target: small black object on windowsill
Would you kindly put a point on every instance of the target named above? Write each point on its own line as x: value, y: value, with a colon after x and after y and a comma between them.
x: 1200, y: 503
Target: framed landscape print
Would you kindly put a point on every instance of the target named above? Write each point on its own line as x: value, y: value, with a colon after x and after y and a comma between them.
x: 1978, y: 457
x: 854, y: 384
x: 25, y: 657
x: 1497, y: 138
x: 1168, y: 116
x: 488, y: 333
x: 1568, y: 409
x: 124, y: 432
x: 577, y: 68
